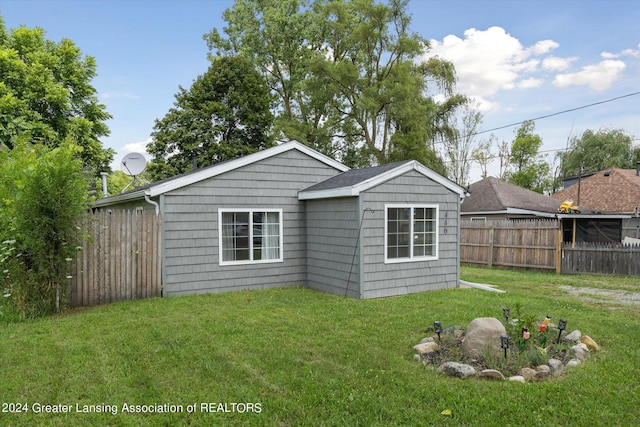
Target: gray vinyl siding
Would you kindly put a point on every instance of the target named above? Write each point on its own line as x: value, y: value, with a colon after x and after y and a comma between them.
x: 332, y: 256
x: 190, y: 225
x: 380, y: 279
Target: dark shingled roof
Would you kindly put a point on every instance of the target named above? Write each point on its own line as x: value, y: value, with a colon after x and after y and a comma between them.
x: 613, y: 189
x: 353, y: 177
x: 492, y: 194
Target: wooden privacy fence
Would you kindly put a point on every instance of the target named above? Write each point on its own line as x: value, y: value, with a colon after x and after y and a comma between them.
x: 601, y: 258
x: 504, y: 243
x: 120, y: 259
x: 537, y: 244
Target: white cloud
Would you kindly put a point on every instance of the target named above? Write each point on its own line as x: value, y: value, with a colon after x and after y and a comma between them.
x: 491, y: 60
x: 598, y: 77
x: 529, y: 83
x: 118, y: 95
x: 554, y: 63
x: 136, y: 147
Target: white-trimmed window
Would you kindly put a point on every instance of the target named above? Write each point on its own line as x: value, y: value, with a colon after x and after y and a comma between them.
x: 411, y: 233
x: 250, y: 235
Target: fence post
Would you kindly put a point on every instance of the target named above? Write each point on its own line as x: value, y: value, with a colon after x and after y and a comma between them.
x: 558, y: 254
x: 490, y: 261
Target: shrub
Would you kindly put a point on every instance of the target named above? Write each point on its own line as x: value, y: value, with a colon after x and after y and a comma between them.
x: 43, y: 192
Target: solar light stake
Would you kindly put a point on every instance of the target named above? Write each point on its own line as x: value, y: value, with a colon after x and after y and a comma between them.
x: 437, y: 327
x: 504, y: 343
x: 562, y: 325
x: 506, y: 311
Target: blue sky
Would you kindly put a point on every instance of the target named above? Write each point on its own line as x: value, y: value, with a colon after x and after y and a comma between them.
x: 519, y: 60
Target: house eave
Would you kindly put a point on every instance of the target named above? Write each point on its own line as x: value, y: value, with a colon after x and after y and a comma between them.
x: 119, y: 198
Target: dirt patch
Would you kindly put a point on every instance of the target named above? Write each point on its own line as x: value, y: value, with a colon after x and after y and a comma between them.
x: 603, y: 295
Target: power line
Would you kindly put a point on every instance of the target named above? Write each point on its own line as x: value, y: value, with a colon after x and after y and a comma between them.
x: 558, y: 113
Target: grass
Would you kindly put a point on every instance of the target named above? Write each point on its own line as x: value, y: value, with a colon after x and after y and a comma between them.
x: 309, y: 358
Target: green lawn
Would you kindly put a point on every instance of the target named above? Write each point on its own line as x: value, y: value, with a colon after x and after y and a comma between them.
x: 291, y: 357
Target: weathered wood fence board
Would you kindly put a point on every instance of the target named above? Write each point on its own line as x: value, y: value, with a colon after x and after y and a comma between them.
x: 601, y: 258
x: 120, y: 259
x: 503, y: 243
x: 535, y: 244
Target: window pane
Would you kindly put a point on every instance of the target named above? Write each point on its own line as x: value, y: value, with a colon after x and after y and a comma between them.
x: 235, y: 236
x: 398, y: 232
x: 424, y: 232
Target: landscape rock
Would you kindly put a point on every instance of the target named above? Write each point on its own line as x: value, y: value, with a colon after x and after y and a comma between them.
x: 458, y: 333
x: 456, y: 369
x: 542, y: 372
x: 528, y: 373
x: 482, y: 336
x: 417, y: 358
x: 589, y: 342
x: 580, y: 352
x: 424, y: 348
x: 574, y: 336
x: 573, y: 362
x: 427, y: 339
x: 491, y: 374
x: 517, y: 379
x: 557, y: 367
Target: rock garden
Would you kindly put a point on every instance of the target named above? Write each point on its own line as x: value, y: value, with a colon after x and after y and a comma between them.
x: 519, y: 348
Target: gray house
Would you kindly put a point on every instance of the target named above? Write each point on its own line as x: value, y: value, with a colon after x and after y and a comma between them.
x: 289, y: 215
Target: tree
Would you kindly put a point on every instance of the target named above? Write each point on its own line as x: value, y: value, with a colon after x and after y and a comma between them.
x: 606, y: 148
x: 344, y: 73
x: 43, y: 192
x: 459, y: 149
x: 483, y: 155
x: 528, y: 169
x: 46, y: 96
x: 225, y: 114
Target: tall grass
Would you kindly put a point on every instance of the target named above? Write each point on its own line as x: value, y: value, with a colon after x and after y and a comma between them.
x: 306, y: 358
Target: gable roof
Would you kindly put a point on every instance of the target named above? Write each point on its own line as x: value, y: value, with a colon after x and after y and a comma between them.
x: 493, y: 195
x: 353, y: 182
x: 614, y: 189
x: 179, y: 181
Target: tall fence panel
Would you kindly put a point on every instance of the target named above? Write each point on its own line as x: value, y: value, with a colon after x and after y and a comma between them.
x: 504, y: 243
x: 119, y: 260
x: 601, y: 258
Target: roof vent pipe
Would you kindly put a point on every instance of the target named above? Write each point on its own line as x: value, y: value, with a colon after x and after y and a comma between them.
x: 105, y: 193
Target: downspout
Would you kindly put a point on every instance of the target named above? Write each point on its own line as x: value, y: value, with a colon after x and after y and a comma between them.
x: 148, y: 200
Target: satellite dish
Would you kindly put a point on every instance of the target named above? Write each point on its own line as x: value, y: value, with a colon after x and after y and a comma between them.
x: 133, y: 164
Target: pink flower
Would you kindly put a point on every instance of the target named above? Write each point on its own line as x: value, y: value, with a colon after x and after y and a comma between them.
x: 526, y: 335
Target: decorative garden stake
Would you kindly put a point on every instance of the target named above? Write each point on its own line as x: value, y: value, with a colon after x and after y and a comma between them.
x: 437, y: 327
x: 562, y: 325
x: 504, y: 343
x: 506, y: 312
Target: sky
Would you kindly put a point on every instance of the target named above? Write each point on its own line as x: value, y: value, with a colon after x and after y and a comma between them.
x: 572, y: 65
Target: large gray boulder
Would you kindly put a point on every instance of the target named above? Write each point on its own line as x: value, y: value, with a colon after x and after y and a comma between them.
x: 483, y: 337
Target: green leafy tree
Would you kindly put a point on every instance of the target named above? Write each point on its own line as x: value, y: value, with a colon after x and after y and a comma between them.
x: 345, y: 75
x: 225, y: 114
x: 529, y: 170
x: 43, y: 192
x: 594, y: 151
x: 46, y: 96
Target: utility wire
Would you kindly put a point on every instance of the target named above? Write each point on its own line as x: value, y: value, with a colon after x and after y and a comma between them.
x: 558, y: 113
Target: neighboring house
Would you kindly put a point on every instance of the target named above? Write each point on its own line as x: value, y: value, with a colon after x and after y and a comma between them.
x: 289, y: 215
x: 613, y: 190
x: 493, y: 198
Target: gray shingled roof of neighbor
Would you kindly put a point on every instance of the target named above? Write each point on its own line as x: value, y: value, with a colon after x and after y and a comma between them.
x: 495, y: 195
